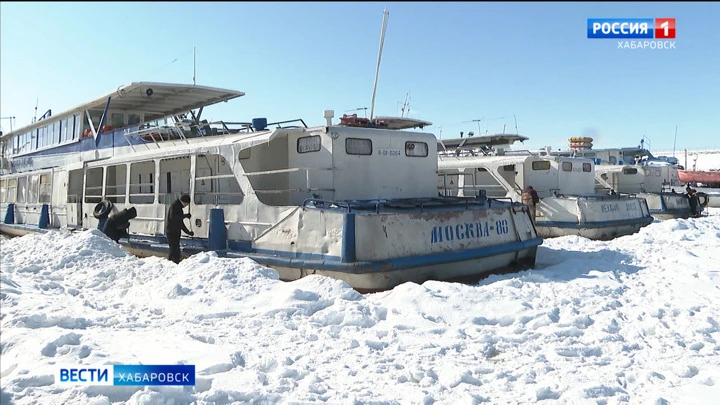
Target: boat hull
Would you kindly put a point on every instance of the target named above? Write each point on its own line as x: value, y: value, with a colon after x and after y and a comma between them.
x: 689, y: 176
x: 592, y: 217
x: 377, y: 249
x: 596, y: 231
x: 667, y: 205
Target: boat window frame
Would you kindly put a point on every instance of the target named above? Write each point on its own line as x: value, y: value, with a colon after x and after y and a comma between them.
x: 309, y: 138
x: 116, y: 198
x: 349, y: 141
x: 141, y: 198
x: 412, y: 145
x: 217, y: 180
x: 93, y: 198
x: 540, y: 165
x: 629, y: 170
x: 45, y: 188
x: 566, y: 166
x: 587, y: 167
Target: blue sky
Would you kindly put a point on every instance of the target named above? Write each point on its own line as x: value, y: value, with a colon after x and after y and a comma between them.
x: 459, y: 61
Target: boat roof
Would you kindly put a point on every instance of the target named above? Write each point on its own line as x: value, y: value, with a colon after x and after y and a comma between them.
x: 160, y: 99
x: 471, y: 142
x: 398, y: 123
x: 631, y: 150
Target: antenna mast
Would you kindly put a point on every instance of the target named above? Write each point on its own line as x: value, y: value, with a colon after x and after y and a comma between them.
x: 193, y: 65
x: 37, y: 100
x: 406, y: 104
x: 674, y: 140
x: 377, y: 69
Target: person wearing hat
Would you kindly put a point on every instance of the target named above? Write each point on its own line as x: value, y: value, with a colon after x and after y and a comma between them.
x: 117, y: 224
x: 174, y: 224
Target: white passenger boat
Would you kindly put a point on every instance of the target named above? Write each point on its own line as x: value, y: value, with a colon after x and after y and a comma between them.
x: 568, y: 202
x: 355, y: 203
x: 635, y: 171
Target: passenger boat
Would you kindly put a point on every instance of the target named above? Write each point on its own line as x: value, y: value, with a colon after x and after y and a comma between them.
x: 357, y: 202
x: 568, y: 202
x: 635, y: 171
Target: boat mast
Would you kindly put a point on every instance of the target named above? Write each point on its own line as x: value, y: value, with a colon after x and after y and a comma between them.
x: 377, y: 68
x: 405, y: 105
x: 193, y: 65
x: 674, y: 140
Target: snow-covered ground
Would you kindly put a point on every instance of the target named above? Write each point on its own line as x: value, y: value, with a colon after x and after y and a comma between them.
x: 633, y: 320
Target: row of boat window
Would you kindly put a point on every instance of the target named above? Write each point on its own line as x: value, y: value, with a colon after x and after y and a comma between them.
x: 358, y: 146
x: 29, y: 189
x: 60, y: 131
x: 545, y: 165
x: 214, y: 183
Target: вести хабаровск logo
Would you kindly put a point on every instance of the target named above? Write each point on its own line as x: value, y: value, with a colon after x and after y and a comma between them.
x: 634, y: 33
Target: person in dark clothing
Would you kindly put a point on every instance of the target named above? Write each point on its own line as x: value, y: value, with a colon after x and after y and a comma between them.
x: 174, y: 224
x: 695, y: 207
x: 530, y: 198
x: 117, y: 224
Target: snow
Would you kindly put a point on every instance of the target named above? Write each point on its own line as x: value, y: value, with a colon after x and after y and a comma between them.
x: 631, y: 320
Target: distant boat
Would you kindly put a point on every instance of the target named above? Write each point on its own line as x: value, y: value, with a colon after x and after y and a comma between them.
x: 708, y: 178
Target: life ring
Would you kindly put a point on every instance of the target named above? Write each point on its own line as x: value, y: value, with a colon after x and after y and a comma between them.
x: 102, y: 209
x: 705, y: 199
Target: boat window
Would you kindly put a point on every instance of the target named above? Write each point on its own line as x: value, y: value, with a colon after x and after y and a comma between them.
x: 481, y: 169
x: 133, y: 119
x: 93, y: 185
x: 54, y: 133
x: 589, y: 154
x: 67, y: 129
x: 541, y: 165
x: 358, y: 146
x: 629, y: 170
x: 3, y: 190
x: 42, y: 134
x: 174, y: 179
x: 648, y: 172
x: 33, y: 188
x: 416, y: 149
x: 142, y: 183
x: 45, y: 188
x: 587, y: 167
x: 215, y: 182
x: 117, y: 120
x: 567, y: 166
x: 21, y: 189
x: 657, y: 173
x: 244, y: 154
x: 612, y: 160
x: 307, y: 144
x: 115, y: 183
x: 511, y: 168
x: 11, y: 190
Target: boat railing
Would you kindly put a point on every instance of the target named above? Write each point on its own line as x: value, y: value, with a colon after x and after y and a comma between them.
x: 307, y: 188
x: 183, y: 130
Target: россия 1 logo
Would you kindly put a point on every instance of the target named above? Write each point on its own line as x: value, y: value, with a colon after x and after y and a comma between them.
x: 632, y: 29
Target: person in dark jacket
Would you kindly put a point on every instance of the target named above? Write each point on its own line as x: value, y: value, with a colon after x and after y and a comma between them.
x: 530, y: 198
x: 694, y: 203
x: 117, y: 224
x: 174, y: 224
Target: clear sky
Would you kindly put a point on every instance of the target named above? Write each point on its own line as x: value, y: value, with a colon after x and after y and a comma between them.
x: 459, y: 61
